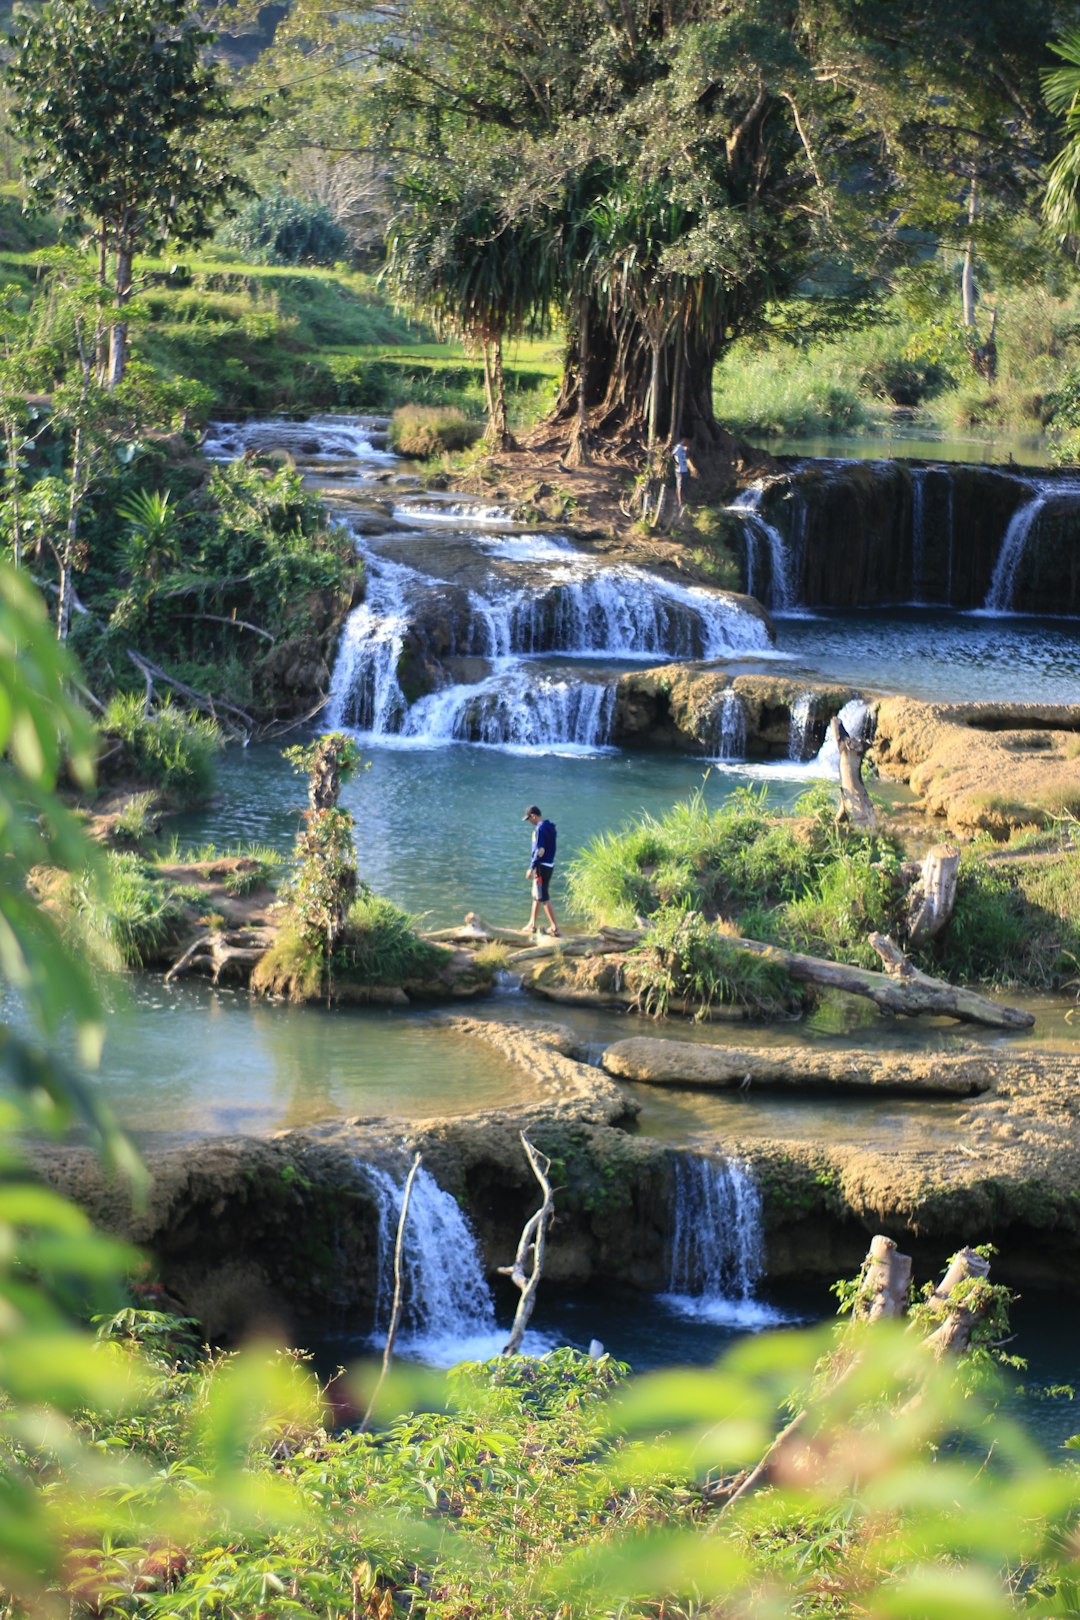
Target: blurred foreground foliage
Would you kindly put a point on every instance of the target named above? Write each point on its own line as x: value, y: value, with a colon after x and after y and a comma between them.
x: 141, y: 1474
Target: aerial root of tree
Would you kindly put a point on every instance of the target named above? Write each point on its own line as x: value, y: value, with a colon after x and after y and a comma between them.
x: 223, y: 954
x: 528, y: 1266
x: 883, y: 1292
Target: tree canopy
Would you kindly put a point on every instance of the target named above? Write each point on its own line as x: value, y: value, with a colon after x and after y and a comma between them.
x: 123, y: 119
x: 660, y: 172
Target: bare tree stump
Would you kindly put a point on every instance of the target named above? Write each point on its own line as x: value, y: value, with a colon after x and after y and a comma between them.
x: 962, y: 1316
x: 886, y: 1281
x: 933, y: 895
x: 855, y: 807
x: 531, y: 1245
x: 223, y: 954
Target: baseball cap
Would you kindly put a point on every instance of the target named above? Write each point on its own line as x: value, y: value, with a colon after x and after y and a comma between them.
x: 533, y: 810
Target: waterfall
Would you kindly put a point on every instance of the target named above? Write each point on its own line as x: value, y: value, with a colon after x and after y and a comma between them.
x: 728, y: 726
x: 364, y: 688
x: 517, y: 708
x: 573, y: 605
x: 448, y: 1313
x: 717, y: 1248
x: 800, y: 727
x: 781, y: 594
x: 326, y: 438
x: 918, y: 530
x: 999, y: 598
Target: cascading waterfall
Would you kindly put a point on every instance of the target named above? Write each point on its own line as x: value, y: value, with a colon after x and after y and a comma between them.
x: 781, y: 595
x: 717, y: 1248
x: 325, y: 438
x: 800, y: 725
x: 448, y: 1312
x: 573, y: 606
x: 518, y: 707
x: 999, y: 598
x: 729, y: 726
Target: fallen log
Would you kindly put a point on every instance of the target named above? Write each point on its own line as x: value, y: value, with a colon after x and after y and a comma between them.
x: 903, y: 988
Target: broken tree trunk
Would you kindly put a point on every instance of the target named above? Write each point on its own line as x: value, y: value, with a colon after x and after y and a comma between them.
x: 933, y: 895
x: 855, y: 807
x: 530, y: 1250
x: 886, y: 1282
x: 963, y: 1311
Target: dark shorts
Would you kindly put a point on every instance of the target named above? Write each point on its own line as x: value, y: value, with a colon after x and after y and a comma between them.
x: 541, y: 880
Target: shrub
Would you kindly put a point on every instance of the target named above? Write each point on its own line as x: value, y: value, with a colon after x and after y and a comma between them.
x: 423, y: 431
x: 282, y: 229
x: 137, y: 820
x: 169, y: 747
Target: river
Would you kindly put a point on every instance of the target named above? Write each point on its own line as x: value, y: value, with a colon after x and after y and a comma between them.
x: 520, y: 637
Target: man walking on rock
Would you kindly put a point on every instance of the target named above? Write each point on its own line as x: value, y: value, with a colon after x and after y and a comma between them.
x: 540, y: 868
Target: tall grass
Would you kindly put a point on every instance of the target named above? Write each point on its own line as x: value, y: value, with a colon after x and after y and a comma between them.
x: 123, y: 917
x: 170, y: 748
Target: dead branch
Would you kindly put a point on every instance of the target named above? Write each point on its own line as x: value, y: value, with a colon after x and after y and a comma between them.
x: 531, y: 1243
x: 237, y: 624
x: 855, y: 807
x: 395, y: 1309
x: 202, y: 701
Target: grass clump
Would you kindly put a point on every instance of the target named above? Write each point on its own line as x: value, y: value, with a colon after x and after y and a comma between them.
x: 379, y: 944
x: 137, y: 821
x: 688, y: 961
x: 119, y: 912
x: 171, y: 748
x: 423, y: 431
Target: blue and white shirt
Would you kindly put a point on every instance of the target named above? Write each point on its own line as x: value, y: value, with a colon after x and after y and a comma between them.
x: 543, y: 844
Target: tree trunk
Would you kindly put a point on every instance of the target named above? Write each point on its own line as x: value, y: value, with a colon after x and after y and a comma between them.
x: 396, y: 1308
x: 118, y: 336
x: 578, y: 453
x: 932, y: 898
x: 855, y: 807
x: 967, y: 275
x: 12, y: 441
x: 67, y: 555
x: 963, y: 1314
x: 489, y: 395
x: 499, y: 433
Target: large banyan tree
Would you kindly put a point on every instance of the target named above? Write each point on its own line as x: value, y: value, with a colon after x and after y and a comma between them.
x: 658, y: 174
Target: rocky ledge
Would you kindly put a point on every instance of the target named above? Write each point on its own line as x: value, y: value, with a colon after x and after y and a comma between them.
x: 245, y: 1230
x: 983, y: 767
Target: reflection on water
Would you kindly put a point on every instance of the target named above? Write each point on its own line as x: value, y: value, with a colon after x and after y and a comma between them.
x: 191, y: 1060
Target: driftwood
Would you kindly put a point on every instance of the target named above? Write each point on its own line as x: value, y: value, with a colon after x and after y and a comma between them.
x: 530, y: 1250
x: 932, y: 897
x: 902, y: 988
x: 855, y: 807
x: 237, y: 624
x: 395, y: 1309
x: 224, y: 953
